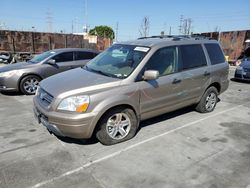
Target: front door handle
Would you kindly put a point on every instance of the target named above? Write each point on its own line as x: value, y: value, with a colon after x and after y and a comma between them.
x: 206, y: 73
x: 176, y: 81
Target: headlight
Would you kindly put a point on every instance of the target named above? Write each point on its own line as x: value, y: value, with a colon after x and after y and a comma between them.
x: 239, y: 68
x: 8, y: 74
x: 75, y: 104
x: 38, y: 91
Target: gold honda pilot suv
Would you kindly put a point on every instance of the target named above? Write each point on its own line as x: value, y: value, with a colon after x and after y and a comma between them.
x: 129, y: 82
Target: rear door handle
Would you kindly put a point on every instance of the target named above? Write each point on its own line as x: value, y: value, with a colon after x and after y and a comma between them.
x: 206, y: 73
x: 176, y: 81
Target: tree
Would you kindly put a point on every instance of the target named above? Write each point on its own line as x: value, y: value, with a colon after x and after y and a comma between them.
x: 103, y: 31
x: 144, y: 29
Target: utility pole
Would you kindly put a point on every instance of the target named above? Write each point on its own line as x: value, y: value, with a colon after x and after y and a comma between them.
x: 185, y: 25
x: 49, y: 19
x: 189, y: 26
x: 116, y: 31
x: 85, y: 26
x: 76, y: 25
x: 181, y: 24
x: 72, y: 27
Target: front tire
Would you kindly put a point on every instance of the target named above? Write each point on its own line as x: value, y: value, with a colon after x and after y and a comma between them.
x: 29, y: 84
x: 117, y: 125
x: 208, y: 100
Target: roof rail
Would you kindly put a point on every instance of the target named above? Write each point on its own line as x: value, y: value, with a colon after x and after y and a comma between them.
x: 178, y: 37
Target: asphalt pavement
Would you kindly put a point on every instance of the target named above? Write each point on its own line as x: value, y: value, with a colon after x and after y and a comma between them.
x: 179, y: 149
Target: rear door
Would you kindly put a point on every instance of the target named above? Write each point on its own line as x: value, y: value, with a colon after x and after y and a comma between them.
x: 219, y: 67
x: 195, y: 72
x: 81, y: 58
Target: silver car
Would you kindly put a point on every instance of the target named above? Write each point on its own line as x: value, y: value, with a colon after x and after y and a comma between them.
x: 25, y: 76
x: 130, y: 82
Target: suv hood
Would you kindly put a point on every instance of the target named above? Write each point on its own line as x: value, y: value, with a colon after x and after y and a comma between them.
x: 77, y: 81
x: 16, y: 66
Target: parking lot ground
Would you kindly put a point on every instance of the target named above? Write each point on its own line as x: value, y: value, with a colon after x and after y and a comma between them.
x: 178, y: 149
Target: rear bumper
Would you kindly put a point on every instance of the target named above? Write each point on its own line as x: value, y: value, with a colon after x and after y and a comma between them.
x: 64, y: 124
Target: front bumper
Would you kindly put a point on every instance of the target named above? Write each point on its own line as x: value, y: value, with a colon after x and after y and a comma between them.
x: 65, y: 124
x: 6, y: 84
x: 240, y: 75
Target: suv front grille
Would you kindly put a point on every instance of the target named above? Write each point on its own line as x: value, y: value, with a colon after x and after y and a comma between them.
x: 45, y: 97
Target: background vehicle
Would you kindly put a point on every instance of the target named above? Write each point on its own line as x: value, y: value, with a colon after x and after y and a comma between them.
x: 5, y: 57
x: 26, y: 76
x: 242, y: 71
x: 130, y: 82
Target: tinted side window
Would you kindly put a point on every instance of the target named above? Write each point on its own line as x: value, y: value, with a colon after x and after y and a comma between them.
x: 215, y: 54
x: 164, y: 60
x: 63, y: 57
x: 192, y: 56
x: 84, y: 55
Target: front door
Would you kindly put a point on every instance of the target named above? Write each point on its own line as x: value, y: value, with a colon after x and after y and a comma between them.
x: 64, y: 61
x: 164, y: 94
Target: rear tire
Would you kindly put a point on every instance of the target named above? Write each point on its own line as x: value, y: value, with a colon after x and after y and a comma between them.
x: 208, y: 101
x: 117, y: 125
x: 29, y: 84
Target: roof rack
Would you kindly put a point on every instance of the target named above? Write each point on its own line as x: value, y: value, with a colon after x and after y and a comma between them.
x: 178, y: 37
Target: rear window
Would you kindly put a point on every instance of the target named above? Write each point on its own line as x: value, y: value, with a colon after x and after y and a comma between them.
x: 63, y: 57
x: 215, y: 53
x: 84, y: 55
x: 192, y: 56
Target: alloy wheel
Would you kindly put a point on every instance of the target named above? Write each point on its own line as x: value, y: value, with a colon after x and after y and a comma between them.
x: 118, y: 126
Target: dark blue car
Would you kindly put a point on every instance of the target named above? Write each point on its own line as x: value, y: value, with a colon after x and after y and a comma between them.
x: 242, y: 71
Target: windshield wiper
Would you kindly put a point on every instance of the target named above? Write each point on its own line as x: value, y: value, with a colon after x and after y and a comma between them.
x: 99, y: 72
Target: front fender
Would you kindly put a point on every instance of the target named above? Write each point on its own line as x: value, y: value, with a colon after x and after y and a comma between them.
x: 104, y: 105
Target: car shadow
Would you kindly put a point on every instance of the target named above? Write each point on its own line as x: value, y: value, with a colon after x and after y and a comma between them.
x: 11, y: 93
x: 239, y: 81
x: 166, y: 116
x: 68, y: 140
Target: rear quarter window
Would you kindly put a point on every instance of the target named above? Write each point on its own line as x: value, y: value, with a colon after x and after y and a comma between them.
x: 192, y: 56
x: 84, y: 55
x: 215, y: 53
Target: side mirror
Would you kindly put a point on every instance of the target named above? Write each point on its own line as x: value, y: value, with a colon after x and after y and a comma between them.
x: 151, y: 75
x: 51, y: 62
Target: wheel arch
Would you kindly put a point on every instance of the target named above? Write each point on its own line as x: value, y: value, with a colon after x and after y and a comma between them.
x: 216, y: 85
x: 125, y: 105
x: 25, y: 75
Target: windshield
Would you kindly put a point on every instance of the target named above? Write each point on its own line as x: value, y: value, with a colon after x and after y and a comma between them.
x: 118, y: 61
x: 41, y: 57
